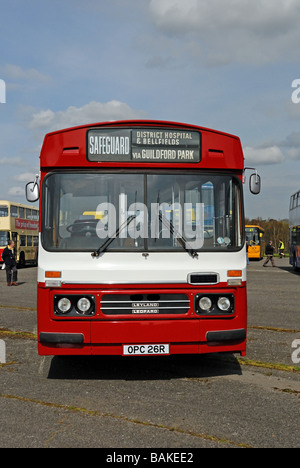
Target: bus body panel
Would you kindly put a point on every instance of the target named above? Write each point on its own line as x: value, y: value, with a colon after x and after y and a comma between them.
x: 105, y: 334
x: 133, y: 268
x: 67, y: 148
x: 295, y: 256
x: 255, y: 252
x: 183, y: 334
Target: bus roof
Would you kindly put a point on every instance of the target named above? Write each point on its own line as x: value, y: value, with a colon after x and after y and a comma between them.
x: 296, y: 193
x: 68, y: 147
x: 149, y: 123
x: 7, y: 202
x: 254, y: 226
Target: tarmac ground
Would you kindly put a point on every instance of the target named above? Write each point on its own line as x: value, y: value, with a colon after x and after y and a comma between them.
x: 174, y: 402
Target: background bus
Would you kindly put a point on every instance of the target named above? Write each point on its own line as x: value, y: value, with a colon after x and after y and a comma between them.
x: 142, y: 243
x: 255, y: 237
x: 294, y: 221
x: 19, y: 223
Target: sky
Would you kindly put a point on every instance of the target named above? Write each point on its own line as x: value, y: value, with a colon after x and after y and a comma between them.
x: 230, y: 65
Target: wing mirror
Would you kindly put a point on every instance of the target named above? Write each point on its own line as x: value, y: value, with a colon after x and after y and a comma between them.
x: 32, y: 190
x: 255, y: 183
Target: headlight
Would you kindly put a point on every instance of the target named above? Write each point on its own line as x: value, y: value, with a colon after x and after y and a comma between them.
x: 224, y: 304
x: 205, y: 303
x: 214, y: 304
x: 64, y: 305
x: 83, y: 305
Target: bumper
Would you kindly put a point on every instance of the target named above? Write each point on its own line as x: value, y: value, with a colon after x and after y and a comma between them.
x: 183, y: 338
x: 106, y: 333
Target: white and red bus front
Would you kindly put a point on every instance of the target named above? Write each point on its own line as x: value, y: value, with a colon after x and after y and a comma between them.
x: 142, y: 246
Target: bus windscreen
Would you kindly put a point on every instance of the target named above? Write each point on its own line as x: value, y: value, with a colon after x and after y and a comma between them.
x: 83, y: 210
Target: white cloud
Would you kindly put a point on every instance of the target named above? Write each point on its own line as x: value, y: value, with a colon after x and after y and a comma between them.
x: 93, y: 112
x: 16, y: 191
x: 15, y: 72
x: 293, y: 153
x: 42, y: 119
x: 276, y: 16
x: 15, y: 161
x: 274, y: 153
x: 246, y: 31
x: 291, y: 145
x: 25, y: 176
x: 263, y: 155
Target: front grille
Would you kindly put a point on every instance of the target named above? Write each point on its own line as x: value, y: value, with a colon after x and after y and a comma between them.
x: 144, y: 304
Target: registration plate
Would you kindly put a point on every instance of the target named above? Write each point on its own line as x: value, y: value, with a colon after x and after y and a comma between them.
x: 145, y: 350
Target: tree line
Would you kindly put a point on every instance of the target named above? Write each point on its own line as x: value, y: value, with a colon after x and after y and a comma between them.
x: 275, y: 230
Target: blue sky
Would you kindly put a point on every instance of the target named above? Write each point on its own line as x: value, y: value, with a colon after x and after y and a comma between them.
x: 220, y: 64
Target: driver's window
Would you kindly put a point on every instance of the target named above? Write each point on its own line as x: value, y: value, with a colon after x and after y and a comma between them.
x: 78, y: 217
x: 91, y: 207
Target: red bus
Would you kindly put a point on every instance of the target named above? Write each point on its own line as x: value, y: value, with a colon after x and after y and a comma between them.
x: 142, y: 240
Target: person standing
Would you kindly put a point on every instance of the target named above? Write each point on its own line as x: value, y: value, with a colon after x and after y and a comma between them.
x: 281, y: 249
x: 8, y: 256
x: 270, y: 254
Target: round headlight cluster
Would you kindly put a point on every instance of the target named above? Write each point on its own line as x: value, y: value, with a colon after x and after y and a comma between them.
x: 214, y: 304
x: 74, y: 305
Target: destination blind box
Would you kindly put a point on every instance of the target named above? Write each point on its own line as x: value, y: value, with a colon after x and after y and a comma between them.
x: 162, y: 145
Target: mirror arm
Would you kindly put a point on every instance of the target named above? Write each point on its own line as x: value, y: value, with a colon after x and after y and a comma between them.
x: 32, y: 190
x: 252, y: 169
x: 35, y: 183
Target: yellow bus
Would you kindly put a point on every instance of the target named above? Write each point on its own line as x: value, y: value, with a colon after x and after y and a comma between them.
x: 255, y: 237
x: 19, y: 223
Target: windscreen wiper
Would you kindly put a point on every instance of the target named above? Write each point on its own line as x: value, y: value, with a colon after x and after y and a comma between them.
x: 180, y: 238
x: 107, y: 243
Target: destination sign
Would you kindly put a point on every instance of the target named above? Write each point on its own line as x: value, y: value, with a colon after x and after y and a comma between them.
x: 160, y: 145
